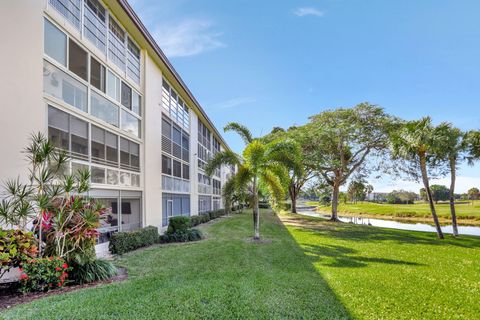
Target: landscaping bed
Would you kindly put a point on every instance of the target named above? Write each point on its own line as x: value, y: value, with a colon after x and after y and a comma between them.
x: 10, y: 295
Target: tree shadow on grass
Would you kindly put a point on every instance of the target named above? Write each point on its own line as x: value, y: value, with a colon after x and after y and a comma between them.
x: 343, y: 257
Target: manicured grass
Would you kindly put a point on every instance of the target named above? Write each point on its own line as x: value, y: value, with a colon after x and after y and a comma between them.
x: 223, y: 277
x: 392, y: 274
x: 310, y: 269
x: 465, y: 211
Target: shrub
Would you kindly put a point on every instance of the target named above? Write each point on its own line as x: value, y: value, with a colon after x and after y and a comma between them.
x: 43, y: 274
x: 196, y: 220
x: 181, y: 236
x: 96, y: 270
x: 16, y: 247
x: 216, y: 214
x: 122, y: 242
x: 178, y: 224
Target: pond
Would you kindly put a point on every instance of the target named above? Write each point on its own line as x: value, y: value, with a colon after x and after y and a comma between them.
x: 413, y: 226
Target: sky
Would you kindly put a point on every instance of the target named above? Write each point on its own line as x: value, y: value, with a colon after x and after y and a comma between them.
x: 275, y: 63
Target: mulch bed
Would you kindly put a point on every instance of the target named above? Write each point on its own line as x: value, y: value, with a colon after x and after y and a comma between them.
x: 9, y: 295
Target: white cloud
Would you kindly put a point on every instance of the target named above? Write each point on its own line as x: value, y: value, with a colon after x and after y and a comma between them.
x: 188, y: 38
x: 308, y: 11
x: 235, y: 102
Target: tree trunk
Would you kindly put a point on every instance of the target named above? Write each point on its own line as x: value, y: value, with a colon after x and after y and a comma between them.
x: 423, y: 167
x: 336, y: 192
x: 292, y: 190
x: 256, y: 213
x: 453, y: 175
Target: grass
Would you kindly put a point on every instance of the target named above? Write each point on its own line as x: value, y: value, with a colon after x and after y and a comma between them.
x: 466, y: 212
x: 306, y: 269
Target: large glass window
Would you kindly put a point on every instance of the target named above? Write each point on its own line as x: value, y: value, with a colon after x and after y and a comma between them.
x: 116, y: 44
x: 79, y: 137
x: 174, y: 205
x: 77, y: 60
x: 136, y: 103
x: 104, y: 109
x: 55, y: 43
x: 97, y: 74
x: 94, y: 25
x: 70, y: 9
x: 62, y: 86
x: 177, y: 169
x: 131, y: 213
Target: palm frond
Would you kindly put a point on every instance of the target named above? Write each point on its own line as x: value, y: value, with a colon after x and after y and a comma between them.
x: 241, y: 130
x: 222, y: 158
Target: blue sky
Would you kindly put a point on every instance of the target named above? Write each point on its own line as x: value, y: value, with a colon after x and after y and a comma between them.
x: 275, y: 63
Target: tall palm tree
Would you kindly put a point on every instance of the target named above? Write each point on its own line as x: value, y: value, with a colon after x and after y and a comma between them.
x: 451, y: 148
x: 416, y: 142
x: 261, y: 164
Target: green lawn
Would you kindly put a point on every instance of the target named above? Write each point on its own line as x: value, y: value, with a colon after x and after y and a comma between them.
x: 468, y: 212
x: 310, y: 269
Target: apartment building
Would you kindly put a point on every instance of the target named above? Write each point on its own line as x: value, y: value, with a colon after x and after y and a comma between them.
x: 89, y: 75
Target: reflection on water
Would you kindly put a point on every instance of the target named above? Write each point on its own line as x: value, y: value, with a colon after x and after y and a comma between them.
x: 466, y: 230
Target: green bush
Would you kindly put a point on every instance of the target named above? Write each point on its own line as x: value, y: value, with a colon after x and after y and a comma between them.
x: 96, y: 270
x: 181, y: 236
x: 43, y: 274
x: 196, y: 220
x: 122, y: 242
x: 216, y: 214
x: 178, y: 224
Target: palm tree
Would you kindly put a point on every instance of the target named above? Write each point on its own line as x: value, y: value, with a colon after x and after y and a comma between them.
x: 451, y: 148
x: 261, y: 164
x: 416, y: 142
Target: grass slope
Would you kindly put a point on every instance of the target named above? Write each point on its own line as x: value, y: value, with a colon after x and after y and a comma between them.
x: 223, y: 277
x: 393, y: 274
x: 310, y: 269
x: 466, y: 212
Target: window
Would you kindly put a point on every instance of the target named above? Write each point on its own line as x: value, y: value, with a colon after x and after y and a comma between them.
x: 70, y: 9
x: 94, y: 24
x: 116, y: 44
x: 133, y: 61
x: 104, y: 146
x: 104, y: 109
x: 166, y: 165
x: 177, y: 169
x: 129, y: 154
x: 174, y: 107
x: 97, y: 175
x: 174, y: 205
x: 58, y: 128
x: 97, y: 74
x: 113, y: 86
x: 111, y: 144
x: 136, y: 103
x: 126, y: 95
x: 166, y: 128
x: 68, y: 132
x: 186, y: 172
x: 77, y: 60
x: 60, y: 85
x: 55, y: 43
x: 130, y: 123
x: 177, y: 136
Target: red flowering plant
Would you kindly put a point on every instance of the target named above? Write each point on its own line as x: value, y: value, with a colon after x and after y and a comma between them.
x: 43, y: 274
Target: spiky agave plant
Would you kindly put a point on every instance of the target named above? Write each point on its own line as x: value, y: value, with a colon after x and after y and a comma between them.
x: 261, y: 164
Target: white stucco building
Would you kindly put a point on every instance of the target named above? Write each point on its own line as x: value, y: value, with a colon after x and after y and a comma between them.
x: 89, y: 75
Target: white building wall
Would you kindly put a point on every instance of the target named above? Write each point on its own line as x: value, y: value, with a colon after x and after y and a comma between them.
x: 153, y: 144
x: 23, y: 110
x: 193, y: 164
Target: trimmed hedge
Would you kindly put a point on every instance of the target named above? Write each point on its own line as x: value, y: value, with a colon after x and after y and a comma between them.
x: 181, y: 236
x: 178, y: 224
x: 122, y: 242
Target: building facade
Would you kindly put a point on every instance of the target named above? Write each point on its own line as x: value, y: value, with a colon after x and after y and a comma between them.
x: 89, y: 75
